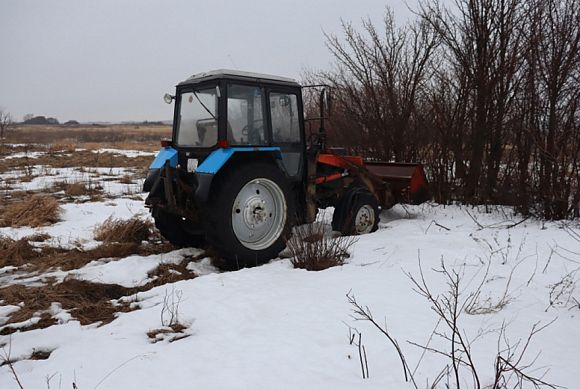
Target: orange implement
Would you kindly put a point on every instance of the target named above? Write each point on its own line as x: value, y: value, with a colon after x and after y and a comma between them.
x: 407, y: 180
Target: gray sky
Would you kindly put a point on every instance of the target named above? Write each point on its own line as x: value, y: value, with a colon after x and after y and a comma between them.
x: 112, y: 60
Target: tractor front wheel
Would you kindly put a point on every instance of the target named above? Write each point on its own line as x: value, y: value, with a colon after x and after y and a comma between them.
x: 250, y: 214
x: 176, y: 230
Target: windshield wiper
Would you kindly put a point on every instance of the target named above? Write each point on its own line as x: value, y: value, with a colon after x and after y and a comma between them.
x: 203, y: 105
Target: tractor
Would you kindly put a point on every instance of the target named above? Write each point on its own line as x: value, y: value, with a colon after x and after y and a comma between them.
x: 238, y: 172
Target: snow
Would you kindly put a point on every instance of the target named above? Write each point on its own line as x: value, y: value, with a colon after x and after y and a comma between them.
x: 275, y: 326
x: 131, y: 271
x: 44, y: 177
x: 79, y: 220
x: 29, y: 154
x: 126, y: 153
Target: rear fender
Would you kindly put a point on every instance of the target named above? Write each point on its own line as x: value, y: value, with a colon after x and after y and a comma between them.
x: 218, y: 160
x: 164, y: 155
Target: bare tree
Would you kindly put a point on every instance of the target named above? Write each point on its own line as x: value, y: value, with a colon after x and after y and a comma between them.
x: 5, y: 122
x: 483, y: 92
x: 379, y: 77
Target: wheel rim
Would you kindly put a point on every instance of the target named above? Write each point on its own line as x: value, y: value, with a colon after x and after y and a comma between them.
x: 364, y: 220
x: 259, y: 214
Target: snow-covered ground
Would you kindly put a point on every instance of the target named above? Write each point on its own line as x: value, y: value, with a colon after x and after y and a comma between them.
x: 274, y: 326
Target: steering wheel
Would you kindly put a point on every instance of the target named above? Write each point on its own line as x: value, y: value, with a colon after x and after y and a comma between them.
x: 253, y: 137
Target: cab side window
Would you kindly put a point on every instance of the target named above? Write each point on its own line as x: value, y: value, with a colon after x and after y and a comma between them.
x: 284, y: 114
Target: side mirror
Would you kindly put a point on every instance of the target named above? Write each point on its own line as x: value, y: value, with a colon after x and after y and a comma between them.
x: 168, y: 98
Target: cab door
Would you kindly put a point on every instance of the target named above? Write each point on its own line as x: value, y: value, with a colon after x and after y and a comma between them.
x: 287, y: 128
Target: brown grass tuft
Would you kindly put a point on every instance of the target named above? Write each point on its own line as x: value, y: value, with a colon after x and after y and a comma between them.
x: 166, y: 273
x: 134, y: 230
x: 160, y: 334
x: 126, y: 179
x: 16, y: 252
x: 38, y: 237
x: 86, y: 301
x: 36, y: 211
x: 76, y: 189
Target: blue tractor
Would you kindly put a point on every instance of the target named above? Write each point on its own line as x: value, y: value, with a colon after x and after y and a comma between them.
x: 238, y: 174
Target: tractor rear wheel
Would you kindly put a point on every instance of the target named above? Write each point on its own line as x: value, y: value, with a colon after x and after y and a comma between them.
x: 250, y: 214
x: 357, y: 213
x: 176, y: 230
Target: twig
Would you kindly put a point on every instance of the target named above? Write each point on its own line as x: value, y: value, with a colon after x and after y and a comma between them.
x: 113, y: 371
x: 8, y: 361
x: 518, y: 223
x: 474, y: 219
x: 365, y: 314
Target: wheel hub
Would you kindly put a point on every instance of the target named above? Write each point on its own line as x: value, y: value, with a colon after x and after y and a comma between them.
x: 364, y: 220
x: 255, y: 213
x: 259, y: 214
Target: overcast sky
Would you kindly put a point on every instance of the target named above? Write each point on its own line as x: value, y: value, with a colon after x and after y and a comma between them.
x: 112, y: 60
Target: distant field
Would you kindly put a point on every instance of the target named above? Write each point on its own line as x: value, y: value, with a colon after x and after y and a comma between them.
x: 120, y: 136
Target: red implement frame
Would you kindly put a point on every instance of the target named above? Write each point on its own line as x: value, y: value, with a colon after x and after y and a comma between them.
x: 406, y: 182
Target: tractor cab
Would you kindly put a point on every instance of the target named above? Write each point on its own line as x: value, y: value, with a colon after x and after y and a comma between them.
x: 238, y: 110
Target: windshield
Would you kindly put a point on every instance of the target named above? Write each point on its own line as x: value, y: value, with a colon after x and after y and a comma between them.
x: 197, y: 122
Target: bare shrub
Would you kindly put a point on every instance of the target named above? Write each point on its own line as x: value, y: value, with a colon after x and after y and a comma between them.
x: 509, y: 365
x: 561, y: 291
x: 36, y: 211
x: 478, y: 305
x: 363, y: 313
x: 172, y: 327
x: 7, y: 360
x: 134, y: 230
x: 313, y: 248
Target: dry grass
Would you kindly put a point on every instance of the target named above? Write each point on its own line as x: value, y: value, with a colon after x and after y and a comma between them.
x: 36, y: 211
x: 83, y: 158
x: 86, y: 301
x: 141, y: 137
x: 167, y: 273
x: 76, y: 189
x: 175, y: 332
x: 66, y: 259
x: 126, y: 179
x: 134, y: 230
x: 312, y: 248
x: 20, y: 253
x: 16, y: 252
x: 38, y: 237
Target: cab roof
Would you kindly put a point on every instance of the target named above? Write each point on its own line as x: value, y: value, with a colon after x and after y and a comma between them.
x: 240, y: 76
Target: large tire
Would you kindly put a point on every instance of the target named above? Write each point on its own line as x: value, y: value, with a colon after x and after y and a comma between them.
x: 356, y: 213
x: 176, y: 230
x: 250, y: 214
